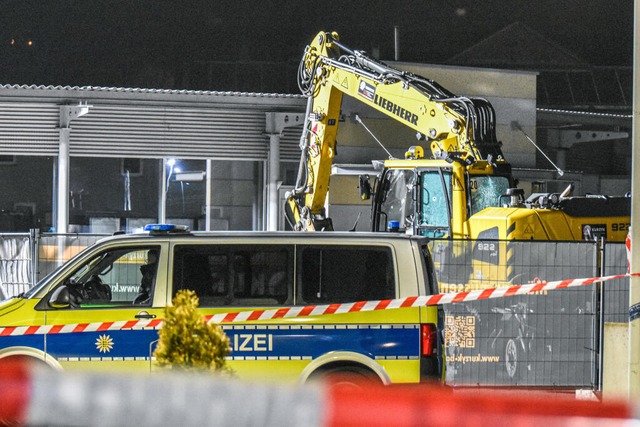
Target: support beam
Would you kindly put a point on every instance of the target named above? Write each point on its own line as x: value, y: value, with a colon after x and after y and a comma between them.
x: 562, y: 140
x: 274, y: 175
x: 62, y: 204
x: 207, y: 197
x: 276, y: 123
x: 67, y: 114
x: 162, y: 193
x: 634, y: 290
x: 569, y: 137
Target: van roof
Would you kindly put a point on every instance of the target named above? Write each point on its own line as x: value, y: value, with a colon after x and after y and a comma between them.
x: 267, y: 235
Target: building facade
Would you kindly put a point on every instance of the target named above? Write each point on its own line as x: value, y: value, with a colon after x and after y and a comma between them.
x: 88, y: 159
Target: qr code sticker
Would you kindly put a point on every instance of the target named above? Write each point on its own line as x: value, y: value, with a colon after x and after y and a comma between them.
x: 460, y: 331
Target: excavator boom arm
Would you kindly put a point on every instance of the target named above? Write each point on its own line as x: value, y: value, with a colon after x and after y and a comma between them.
x: 455, y: 127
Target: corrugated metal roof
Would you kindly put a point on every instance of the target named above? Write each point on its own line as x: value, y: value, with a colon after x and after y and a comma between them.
x: 136, y: 122
x: 146, y: 90
x: 163, y: 96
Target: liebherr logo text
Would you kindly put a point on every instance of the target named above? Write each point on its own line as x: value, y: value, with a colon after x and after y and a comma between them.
x: 396, y: 109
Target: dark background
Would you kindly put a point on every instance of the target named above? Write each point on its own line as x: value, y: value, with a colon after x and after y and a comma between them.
x: 164, y: 44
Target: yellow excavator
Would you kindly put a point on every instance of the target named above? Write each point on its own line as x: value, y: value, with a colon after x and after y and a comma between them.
x: 465, y: 190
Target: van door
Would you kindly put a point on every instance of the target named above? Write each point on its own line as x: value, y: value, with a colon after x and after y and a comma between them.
x: 106, y: 312
x: 230, y: 277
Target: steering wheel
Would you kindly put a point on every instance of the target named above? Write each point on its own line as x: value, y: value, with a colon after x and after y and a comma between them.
x: 76, y: 294
x: 95, y: 290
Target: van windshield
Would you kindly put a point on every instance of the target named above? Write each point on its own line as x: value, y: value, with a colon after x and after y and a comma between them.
x: 44, y: 282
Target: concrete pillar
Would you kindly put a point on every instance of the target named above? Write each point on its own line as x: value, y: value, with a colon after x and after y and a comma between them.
x: 616, y: 356
x: 274, y: 175
x: 274, y: 126
x: 162, y: 194
x: 207, y: 203
x: 62, y: 199
x: 67, y: 114
x: 634, y: 291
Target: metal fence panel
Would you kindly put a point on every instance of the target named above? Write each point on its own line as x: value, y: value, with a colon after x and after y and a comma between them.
x: 15, y: 264
x: 56, y: 249
x: 533, y: 340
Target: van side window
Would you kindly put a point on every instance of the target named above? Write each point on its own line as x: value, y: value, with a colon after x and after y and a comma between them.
x: 238, y: 275
x: 339, y: 274
x: 192, y: 271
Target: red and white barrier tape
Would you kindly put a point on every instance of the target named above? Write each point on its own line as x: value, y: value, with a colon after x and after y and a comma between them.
x: 317, y: 310
x: 627, y: 246
x: 408, y: 302
x: 32, y: 396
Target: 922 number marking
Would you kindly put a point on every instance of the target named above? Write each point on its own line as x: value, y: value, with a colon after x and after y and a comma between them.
x: 620, y: 226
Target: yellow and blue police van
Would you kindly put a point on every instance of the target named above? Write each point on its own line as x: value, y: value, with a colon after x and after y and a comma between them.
x: 103, y: 308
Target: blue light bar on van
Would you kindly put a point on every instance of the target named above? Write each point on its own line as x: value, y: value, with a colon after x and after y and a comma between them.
x: 167, y: 228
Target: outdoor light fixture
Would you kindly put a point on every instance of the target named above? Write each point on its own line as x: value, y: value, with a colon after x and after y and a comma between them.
x: 189, y: 176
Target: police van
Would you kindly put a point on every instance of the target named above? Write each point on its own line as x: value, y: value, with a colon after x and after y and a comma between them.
x: 103, y: 308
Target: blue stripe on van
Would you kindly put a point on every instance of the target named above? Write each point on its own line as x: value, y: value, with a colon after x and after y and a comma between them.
x: 32, y: 341
x: 249, y: 341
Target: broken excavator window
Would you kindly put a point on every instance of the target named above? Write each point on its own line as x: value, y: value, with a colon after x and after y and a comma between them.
x: 485, y: 191
x: 397, y: 196
x: 434, y: 212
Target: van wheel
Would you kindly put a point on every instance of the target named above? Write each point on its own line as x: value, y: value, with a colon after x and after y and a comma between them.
x: 346, y: 377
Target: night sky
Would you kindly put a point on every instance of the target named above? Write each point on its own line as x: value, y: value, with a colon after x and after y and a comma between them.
x: 149, y: 42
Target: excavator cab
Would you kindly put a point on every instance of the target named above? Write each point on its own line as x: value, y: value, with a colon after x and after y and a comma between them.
x: 426, y: 200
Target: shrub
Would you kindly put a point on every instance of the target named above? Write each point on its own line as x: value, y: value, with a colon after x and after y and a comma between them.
x: 187, y: 342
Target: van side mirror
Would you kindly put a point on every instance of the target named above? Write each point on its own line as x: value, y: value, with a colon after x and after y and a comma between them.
x: 364, y: 186
x: 60, y: 298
